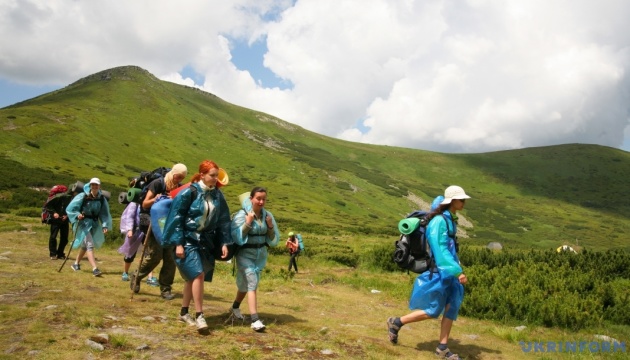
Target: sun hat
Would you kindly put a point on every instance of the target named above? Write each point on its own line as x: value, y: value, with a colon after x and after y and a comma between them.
x: 95, y: 181
x: 291, y: 233
x: 454, y: 192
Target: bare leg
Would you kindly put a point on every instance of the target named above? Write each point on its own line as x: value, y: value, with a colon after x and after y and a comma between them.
x: 417, y: 315
x: 90, y: 256
x: 197, y: 292
x: 187, y: 294
x: 80, y: 256
x: 251, y: 302
x: 240, y: 296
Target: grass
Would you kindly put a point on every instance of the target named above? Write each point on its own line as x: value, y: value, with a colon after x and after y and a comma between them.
x: 325, y: 311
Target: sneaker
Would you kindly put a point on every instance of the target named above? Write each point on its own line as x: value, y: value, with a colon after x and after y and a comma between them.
x: 132, y: 281
x: 201, y: 323
x: 392, y: 330
x: 446, y: 354
x: 61, y: 257
x: 76, y: 267
x: 236, y: 313
x: 153, y: 281
x: 96, y: 272
x: 188, y: 320
x: 166, y: 295
x: 53, y: 258
x: 258, y: 325
x: 125, y: 277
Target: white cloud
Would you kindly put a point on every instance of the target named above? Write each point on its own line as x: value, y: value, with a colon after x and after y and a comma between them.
x: 453, y: 76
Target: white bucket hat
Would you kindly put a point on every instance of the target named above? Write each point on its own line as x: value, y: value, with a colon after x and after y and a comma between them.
x: 95, y: 181
x: 454, y: 192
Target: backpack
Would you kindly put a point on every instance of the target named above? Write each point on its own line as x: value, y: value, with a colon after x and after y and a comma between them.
x: 47, y: 217
x: 300, y: 242
x: 142, y: 182
x: 412, y: 251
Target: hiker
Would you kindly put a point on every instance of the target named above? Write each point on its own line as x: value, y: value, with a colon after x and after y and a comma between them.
x: 253, y: 230
x: 294, y: 250
x: 130, y: 229
x: 59, y: 224
x: 85, y: 211
x: 198, y: 221
x: 155, y: 252
x: 440, y: 289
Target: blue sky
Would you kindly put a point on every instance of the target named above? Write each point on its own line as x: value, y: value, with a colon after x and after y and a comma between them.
x: 448, y: 76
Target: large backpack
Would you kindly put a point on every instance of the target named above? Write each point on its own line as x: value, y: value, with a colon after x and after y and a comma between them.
x: 412, y: 251
x: 300, y: 242
x: 139, y: 186
x: 47, y: 216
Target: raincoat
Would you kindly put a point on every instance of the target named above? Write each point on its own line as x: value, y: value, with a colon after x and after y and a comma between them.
x: 94, y: 213
x: 432, y: 291
x: 130, y: 220
x: 251, y: 260
x: 200, y: 227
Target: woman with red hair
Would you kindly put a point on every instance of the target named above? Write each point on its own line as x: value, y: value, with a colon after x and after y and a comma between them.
x: 197, y: 223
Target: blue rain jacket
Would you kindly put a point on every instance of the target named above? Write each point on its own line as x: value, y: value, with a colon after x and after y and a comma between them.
x: 200, y: 227
x: 251, y: 261
x: 94, y: 213
x: 433, y: 291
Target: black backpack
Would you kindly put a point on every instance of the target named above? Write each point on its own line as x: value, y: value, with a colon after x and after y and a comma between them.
x: 142, y: 182
x: 412, y: 251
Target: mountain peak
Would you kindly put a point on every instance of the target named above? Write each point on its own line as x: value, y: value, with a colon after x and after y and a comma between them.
x: 128, y: 72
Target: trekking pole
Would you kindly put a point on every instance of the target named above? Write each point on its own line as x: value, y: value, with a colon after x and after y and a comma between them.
x: 69, y: 250
x: 144, y: 250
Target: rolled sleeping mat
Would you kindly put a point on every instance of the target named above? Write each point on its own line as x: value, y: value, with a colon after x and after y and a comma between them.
x: 106, y: 194
x: 122, y: 198
x: 77, y: 187
x: 223, y: 178
x: 133, y: 195
x: 245, y: 201
x: 407, y: 226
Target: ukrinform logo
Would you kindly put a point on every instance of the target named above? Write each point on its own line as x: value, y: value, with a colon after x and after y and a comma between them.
x: 573, y: 346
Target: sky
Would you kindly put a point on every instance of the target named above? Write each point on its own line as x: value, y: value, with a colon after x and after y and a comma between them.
x: 455, y: 76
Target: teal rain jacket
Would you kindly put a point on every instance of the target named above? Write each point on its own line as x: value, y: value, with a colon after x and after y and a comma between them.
x: 200, y: 227
x: 432, y: 291
x: 93, y: 212
x: 251, y: 260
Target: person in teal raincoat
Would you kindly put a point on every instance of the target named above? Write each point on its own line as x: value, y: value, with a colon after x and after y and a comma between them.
x: 197, y: 226
x: 91, y: 220
x: 439, y: 289
x: 253, y: 230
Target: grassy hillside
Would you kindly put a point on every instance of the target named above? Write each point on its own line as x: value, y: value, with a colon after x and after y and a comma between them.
x: 117, y: 122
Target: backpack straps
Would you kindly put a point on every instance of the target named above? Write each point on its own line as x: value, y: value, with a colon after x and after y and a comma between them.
x: 86, y: 199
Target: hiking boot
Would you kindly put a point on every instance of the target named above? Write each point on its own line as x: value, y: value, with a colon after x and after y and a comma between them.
x: 125, y: 277
x: 75, y: 267
x: 392, y: 330
x: 61, y: 257
x: 132, y: 282
x: 53, y: 258
x: 258, y: 325
x: 446, y: 354
x: 201, y: 323
x: 153, y: 281
x: 188, y: 319
x: 96, y: 272
x: 166, y: 295
x: 236, y: 313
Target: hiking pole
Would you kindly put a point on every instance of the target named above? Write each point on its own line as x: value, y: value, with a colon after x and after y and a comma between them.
x: 144, y: 250
x: 69, y: 250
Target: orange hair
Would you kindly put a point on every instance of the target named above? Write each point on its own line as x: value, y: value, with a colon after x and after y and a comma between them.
x: 204, y: 168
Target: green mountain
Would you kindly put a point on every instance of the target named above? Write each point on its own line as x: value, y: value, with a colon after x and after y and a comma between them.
x: 120, y: 121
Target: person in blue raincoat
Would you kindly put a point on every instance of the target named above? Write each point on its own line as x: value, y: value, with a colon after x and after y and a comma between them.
x: 253, y: 230
x: 197, y: 226
x: 440, y: 289
x: 91, y: 220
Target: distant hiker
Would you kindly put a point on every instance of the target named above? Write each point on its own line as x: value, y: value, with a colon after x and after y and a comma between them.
x: 253, y: 230
x: 438, y: 290
x: 90, y: 217
x: 198, y: 222
x: 155, y: 252
x: 130, y: 229
x: 59, y: 223
x: 294, y: 250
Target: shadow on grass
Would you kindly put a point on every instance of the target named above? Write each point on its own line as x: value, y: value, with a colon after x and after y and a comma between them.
x: 466, y: 351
